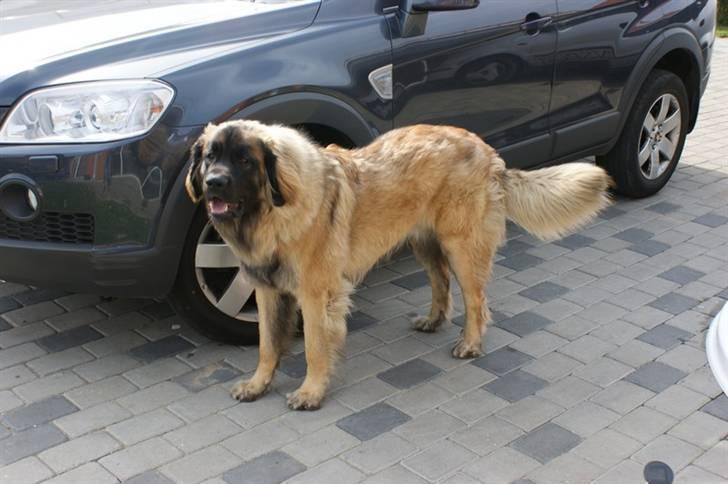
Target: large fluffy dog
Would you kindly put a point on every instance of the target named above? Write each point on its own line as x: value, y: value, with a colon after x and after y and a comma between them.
x: 308, y: 222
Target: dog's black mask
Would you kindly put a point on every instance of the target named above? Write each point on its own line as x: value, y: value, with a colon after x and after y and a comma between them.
x: 234, y: 173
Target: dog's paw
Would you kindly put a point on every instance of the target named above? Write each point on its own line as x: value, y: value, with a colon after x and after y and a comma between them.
x: 464, y: 350
x: 247, y: 391
x: 302, y: 400
x: 428, y: 324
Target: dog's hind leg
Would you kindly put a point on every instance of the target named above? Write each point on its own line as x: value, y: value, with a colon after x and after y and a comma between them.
x: 276, y: 324
x: 429, y: 253
x: 324, y: 332
x: 471, y: 262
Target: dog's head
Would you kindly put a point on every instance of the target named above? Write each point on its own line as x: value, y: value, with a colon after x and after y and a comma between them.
x: 234, y: 170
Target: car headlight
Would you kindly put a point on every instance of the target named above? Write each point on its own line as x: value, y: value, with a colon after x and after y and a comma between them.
x: 87, y: 112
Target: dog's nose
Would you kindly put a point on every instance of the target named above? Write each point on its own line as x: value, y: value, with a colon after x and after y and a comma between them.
x: 217, y: 180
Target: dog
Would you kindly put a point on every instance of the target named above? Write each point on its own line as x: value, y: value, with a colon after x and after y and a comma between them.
x: 308, y: 222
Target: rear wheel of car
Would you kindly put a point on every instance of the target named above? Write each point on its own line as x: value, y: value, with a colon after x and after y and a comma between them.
x: 211, y: 292
x: 653, y: 137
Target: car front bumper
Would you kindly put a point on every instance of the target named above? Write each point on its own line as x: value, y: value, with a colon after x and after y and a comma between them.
x: 111, y: 217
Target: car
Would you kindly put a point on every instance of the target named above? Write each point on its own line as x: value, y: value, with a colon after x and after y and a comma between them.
x: 100, y: 103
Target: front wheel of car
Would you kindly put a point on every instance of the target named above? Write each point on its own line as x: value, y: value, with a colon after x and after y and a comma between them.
x: 653, y: 137
x: 211, y: 292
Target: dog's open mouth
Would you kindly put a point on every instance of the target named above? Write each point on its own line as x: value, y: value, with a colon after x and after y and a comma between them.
x: 219, y: 207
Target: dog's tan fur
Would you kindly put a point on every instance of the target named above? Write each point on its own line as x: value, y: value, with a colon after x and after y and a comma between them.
x: 440, y: 188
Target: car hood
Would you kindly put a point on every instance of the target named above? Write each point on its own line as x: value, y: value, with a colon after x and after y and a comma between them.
x: 131, y: 39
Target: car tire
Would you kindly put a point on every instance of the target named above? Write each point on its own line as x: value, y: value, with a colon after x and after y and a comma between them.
x: 653, y: 137
x: 200, y: 287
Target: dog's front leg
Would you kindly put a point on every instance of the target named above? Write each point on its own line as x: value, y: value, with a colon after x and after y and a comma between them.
x: 276, y: 324
x: 324, y: 332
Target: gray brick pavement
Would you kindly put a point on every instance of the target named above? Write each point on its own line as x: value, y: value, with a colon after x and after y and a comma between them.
x: 594, y: 364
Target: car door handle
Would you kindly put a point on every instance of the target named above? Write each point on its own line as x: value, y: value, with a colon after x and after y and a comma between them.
x: 536, y: 24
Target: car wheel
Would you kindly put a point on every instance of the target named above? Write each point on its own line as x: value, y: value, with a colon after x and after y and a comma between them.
x: 652, y: 140
x: 211, y: 293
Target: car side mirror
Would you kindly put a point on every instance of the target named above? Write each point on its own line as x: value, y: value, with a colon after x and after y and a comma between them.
x: 412, y: 14
x: 440, y: 5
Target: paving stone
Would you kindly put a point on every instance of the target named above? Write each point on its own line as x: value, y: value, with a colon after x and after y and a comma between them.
x: 715, y: 460
x: 365, y: 393
x: 91, y: 419
x: 462, y: 478
x: 35, y: 296
x: 438, y: 460
x: 372, y: 421
x: 105, y: 367
x: 552, y: 367
x: 607, y: 448
x: 718, y: 407
x: 701, y: 429
x: 62, y: 360
x: 521, y: 261
x: 257, y: 441
x: 463, y: 379
x: 674, y: 303
x: 334, y: 470
x: 167, y: 346
x: 150, y: 477
x: 200, y: 465
x: 388, y: 309
x: 14, y: 376
x: 539, y: 343
x: 544, y: 291
x: 7, y: 304
x: 501, y: 361
x: 644, y: 424
x: 152, y: 397
x: 202, y: 433
x: 315, y: 448
x: 575, y: 241
x: 634, y: 235
x: 31, y: 314
x: 144, y: 456
x: 38, y: 413
x: 419, y: 399
x: 647, y: 317
x: 677, y: 401
x: 670, y: 450
x: 402, y: 350
x: 529, y: 413
x: 380, y: 292
x: 48, y: 386
x: 635, y: 353
x: 617, y: 332
x: 26, y: 471
x: 586, y: 348
x: 91, y: 473
x: 8, y: 401
x: 682, y: 275
x: 665, y: 336
x: 74, y: 319
x: 703, y: 381
x: 568, y: 391
x: 515, y: 385
x: 358, y: 343
x: 250, y: 414
x: 29, y: 442
x: 77, y: 301
x: 711, y: 220
x: 625, y: 471
x: 118, y: 342
x: 409, y: 374
x: 23, y: 334
x: 396, y: 473
x: 101, y: 391
x: 566, y: 468
x: 546, y: 442
x: 378, y: 453
x: 622, y: 397
x: 663, y: 207
x: 586, y: 418
x: 202, y: 404
x: 695, y: 474
x: 412, y: 281
x: 655, y: 376
x: 19, y: 354
x: 602, y: 372
x: 145, y: 426
x: 524, y: 323
x: 503, y: 465
x: 74, y: 453
x: 602, y: 312
x: 157, y: 371
x: 270, y: 468
x: 428, y: 427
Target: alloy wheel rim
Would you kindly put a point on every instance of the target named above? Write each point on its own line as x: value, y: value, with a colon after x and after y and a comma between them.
x: 659, y: 137
x: 222, y: 282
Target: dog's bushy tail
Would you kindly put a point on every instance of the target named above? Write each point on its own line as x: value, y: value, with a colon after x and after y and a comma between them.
x: 550, y: 202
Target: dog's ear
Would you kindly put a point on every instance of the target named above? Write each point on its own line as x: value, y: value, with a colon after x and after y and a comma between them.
x: 193, y: 182
x: 270, y: 161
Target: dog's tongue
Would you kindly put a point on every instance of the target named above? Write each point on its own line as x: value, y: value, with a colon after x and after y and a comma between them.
x: 217, y: 206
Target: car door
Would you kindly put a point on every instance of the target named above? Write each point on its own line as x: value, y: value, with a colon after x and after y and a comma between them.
x: 599, y: 44
x: 487, y: 69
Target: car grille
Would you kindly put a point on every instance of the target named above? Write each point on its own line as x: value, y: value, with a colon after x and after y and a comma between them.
x: 66, y: 228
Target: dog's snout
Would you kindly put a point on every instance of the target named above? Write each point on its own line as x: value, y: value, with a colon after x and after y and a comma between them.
x: 217, y: 180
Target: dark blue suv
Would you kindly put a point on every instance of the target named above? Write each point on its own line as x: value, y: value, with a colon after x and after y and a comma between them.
x: 99, y: 103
